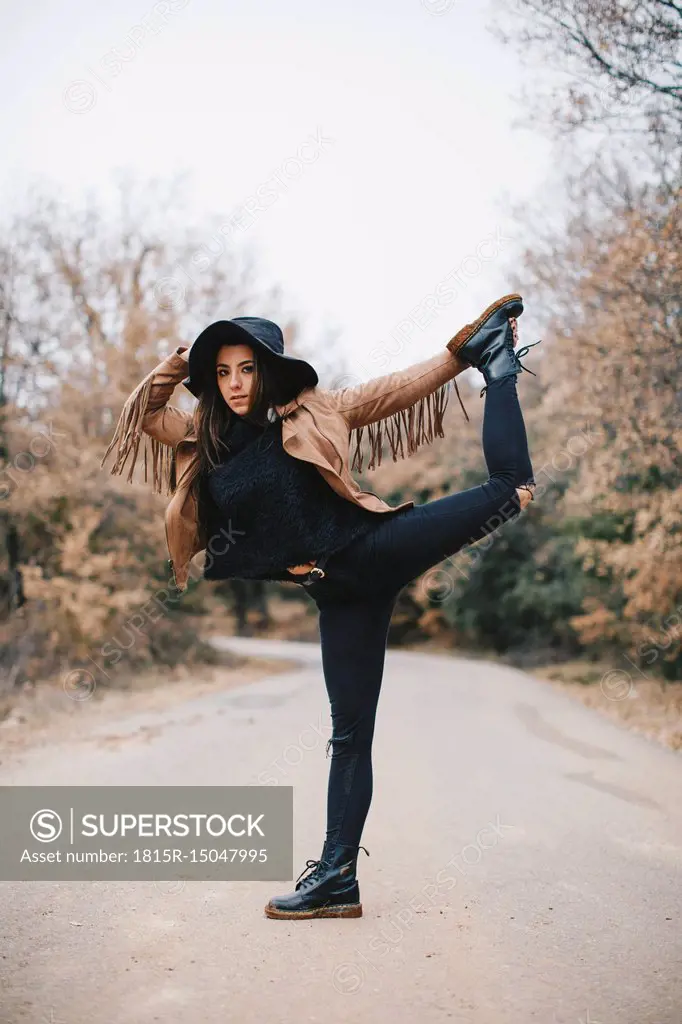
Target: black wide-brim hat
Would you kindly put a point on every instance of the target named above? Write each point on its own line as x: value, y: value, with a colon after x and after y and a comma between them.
x: 292, y: 374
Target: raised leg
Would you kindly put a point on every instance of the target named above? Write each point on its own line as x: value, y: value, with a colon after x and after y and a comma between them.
x: 407, y: 544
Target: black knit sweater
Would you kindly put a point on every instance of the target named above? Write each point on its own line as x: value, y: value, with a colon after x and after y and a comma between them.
x: 267, y: 510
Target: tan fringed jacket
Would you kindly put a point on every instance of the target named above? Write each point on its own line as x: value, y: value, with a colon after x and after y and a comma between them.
x: 318, y: 426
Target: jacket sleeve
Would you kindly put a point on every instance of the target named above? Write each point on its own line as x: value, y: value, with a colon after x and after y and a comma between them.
x: 146, y: 411
x: 395, y: 392
x: 408, y: 405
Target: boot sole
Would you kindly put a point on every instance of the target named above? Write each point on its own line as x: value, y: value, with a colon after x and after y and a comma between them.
x: 462, y: 336
x: 338, y: 910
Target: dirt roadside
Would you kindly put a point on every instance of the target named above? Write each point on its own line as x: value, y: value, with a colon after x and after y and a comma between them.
x: 647, y: 705
x: 46, y: 714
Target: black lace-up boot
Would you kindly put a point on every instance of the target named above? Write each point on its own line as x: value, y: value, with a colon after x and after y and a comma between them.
x: 330, y: 889
x: 489, y: 343
x: 491, y: 319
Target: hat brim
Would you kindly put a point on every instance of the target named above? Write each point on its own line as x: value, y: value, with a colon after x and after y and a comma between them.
x: 293, y: 374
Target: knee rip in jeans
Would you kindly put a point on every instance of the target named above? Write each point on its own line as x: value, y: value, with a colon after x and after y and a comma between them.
x: 347, y: 737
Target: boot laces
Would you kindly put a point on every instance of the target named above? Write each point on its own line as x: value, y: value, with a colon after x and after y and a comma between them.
x: 521, y: 352
x: 524, y: 351
x: 314, y: 867
x: 310, y: 865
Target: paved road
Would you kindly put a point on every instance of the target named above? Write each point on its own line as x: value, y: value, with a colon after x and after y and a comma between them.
x: 525, y: 865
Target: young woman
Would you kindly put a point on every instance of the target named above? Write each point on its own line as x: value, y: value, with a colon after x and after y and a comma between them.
x: 260, y: 481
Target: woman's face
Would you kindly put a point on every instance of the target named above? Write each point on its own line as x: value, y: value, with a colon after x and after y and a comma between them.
x: 236, y: 374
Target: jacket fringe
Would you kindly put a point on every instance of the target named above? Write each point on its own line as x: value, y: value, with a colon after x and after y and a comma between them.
x: 158, y: 457
x: 415, y: 426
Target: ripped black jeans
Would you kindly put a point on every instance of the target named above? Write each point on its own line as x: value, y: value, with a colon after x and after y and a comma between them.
x: 357, y: 596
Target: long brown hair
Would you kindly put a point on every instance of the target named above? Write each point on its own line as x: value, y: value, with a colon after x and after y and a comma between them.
x: 213, y: 419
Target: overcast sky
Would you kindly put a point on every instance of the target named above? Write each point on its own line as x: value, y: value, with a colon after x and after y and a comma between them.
x: 379, y: 134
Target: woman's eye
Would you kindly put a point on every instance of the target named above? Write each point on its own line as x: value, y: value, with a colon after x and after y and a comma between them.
x: 247, y: 369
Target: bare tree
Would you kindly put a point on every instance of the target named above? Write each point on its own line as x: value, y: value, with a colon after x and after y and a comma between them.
x: 619, y: 64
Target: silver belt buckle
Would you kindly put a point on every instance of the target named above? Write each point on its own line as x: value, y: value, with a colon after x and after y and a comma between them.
x: 320, y: 574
